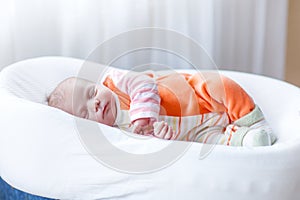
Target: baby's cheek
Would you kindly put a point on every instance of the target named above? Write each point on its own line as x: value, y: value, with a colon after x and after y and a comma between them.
x: 95, y: 117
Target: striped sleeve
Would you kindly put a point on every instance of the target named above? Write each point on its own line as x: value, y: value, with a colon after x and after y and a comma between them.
x: 142, y: 89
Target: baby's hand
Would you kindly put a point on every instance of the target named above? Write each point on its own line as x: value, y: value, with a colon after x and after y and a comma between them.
x: 143, y: 126
x: 163, y: 130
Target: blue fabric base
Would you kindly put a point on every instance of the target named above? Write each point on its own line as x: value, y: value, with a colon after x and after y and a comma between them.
x: 7, y: 192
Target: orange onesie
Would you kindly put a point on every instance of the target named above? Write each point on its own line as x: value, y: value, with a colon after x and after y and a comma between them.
x: 187, y: 95
x: 197, y: 106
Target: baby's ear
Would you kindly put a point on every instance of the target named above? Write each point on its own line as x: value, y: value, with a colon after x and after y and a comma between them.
x: 55, y: 99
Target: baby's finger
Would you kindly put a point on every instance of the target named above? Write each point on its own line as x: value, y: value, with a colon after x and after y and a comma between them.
x: 169, y: 133
x: 148, y: 130
x: 136, y: 129
x: 173, y: 137
x: 157, y: 127
x: 162, y: 132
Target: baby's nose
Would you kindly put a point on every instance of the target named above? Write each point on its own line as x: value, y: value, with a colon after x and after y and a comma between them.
x: 93, y: 105
x: 96, y: 105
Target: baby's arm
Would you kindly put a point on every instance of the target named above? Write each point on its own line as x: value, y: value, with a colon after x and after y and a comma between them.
x: 143, y: 92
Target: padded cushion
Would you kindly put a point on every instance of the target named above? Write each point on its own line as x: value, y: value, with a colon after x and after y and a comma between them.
x: 41, y: 151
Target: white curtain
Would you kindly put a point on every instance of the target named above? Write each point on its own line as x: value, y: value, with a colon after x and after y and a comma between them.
x: 244, y: 35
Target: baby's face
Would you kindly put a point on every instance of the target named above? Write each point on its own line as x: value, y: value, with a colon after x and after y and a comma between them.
x: 89, y: 100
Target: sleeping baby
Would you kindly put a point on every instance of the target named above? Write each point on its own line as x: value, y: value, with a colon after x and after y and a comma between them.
x: 203, y: 107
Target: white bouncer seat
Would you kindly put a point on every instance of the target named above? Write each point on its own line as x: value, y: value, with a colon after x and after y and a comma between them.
x: 41, y: 152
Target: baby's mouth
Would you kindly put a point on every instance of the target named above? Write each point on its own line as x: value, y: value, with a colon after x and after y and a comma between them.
x: 104, y: 109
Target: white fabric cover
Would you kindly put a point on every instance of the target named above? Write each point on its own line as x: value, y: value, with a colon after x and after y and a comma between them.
x: 41, y: 152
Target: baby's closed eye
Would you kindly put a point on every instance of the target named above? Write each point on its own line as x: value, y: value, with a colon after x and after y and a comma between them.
x: 92, y: 92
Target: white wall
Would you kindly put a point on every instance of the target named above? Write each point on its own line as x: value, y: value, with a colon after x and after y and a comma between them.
x: 247, y: 35
x: 292, y: 72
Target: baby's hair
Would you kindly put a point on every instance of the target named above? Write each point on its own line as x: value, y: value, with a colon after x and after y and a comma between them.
x: 57, y: 96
